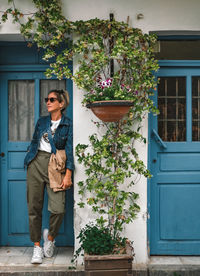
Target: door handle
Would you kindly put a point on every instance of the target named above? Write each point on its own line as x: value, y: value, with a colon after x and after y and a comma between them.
x: 2, y: 154
x: 158, y: 139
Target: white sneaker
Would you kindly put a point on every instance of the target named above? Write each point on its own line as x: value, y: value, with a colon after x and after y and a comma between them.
x: 37, y: 255
x: 48, y: 245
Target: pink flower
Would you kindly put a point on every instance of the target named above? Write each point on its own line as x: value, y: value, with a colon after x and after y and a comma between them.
x: 103, y: 84
x: 109, y: 82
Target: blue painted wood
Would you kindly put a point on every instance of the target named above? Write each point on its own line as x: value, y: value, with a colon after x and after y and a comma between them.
x: 178, y: 37
x: 174, y: 189
x: 13, y: 208
x: 17, y: 217
x: 37, y: 98
x: 17, y: 53
x: 179, y: 63
x: 189, y: 107
x: 26, y: 68
x: 184, y: 225
x: 4, y: 137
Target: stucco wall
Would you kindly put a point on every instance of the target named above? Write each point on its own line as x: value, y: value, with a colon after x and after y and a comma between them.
x: 158, y: 15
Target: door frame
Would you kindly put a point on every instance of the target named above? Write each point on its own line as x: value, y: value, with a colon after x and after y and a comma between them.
x: 35, y: 68
x: 165, y: 35
x: 163, y: 64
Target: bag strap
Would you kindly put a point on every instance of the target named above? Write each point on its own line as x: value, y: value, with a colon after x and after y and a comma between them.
x: 53, y: 147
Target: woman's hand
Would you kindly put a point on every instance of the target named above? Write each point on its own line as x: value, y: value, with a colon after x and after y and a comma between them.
x: 67, y: 180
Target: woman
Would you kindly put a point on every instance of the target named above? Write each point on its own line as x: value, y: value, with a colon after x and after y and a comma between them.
x: 37, y: 160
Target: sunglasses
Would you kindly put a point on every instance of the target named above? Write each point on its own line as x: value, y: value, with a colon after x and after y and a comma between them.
x: 52, y: 100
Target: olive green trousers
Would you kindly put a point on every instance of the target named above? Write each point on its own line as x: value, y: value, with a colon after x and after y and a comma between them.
x: 37, y: 180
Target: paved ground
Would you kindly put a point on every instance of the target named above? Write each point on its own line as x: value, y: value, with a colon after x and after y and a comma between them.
x: 174, y: 266
x: 16, y: 261
x: 16, y: 256
x: 179, y: 260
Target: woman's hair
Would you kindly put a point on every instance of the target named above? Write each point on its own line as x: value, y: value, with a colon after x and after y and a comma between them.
x: 62, y: 96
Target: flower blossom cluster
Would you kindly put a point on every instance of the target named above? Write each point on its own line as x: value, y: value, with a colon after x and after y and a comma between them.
x: 103, y: 84
x: 109, y: 83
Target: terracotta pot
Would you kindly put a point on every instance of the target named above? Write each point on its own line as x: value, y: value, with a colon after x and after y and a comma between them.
x: 107, y: 265
x: 110, y: 111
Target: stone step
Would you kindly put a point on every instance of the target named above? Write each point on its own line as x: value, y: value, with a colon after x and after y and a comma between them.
x: 15, y: 261
x: 189, y: 270
x: 25, y: 272
x: 62, y: 271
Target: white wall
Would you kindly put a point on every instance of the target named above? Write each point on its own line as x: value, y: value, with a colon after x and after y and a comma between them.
x: 158, y: 15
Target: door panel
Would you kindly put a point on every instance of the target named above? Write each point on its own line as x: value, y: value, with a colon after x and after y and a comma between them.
x: 21, y: 105
x: 184, y: 227
x: 174, y: 160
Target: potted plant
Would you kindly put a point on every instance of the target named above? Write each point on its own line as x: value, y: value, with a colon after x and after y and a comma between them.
x: 116, y: 66
x: 103, y: 252
x: 116, y: 61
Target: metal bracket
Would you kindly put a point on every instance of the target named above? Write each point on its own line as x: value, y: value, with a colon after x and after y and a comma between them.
x: 158, y: 139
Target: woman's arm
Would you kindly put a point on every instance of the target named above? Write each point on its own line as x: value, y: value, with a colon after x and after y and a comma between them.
x: 67, y: 181
x: 69, y: 149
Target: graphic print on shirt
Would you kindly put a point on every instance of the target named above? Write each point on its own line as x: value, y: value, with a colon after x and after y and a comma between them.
x: 45, y: 135
x: 44, y: 142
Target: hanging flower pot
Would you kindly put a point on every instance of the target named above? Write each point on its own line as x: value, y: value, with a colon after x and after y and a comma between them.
x: 110, y: 111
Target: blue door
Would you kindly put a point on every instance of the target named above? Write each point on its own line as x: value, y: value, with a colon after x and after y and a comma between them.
x: 174, y: 161
x: 21, y: 103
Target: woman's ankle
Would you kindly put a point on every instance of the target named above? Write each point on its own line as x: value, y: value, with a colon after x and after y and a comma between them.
x: 50, y: 238
x: 36, y: 243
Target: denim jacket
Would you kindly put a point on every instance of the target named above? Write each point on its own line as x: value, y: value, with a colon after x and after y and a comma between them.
x: 63, y: 139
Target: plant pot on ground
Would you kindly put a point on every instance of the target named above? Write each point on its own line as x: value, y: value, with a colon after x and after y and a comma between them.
x: 105, y: 254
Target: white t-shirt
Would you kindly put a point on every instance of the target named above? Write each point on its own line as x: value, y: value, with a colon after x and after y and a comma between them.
x: 44, y: 142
